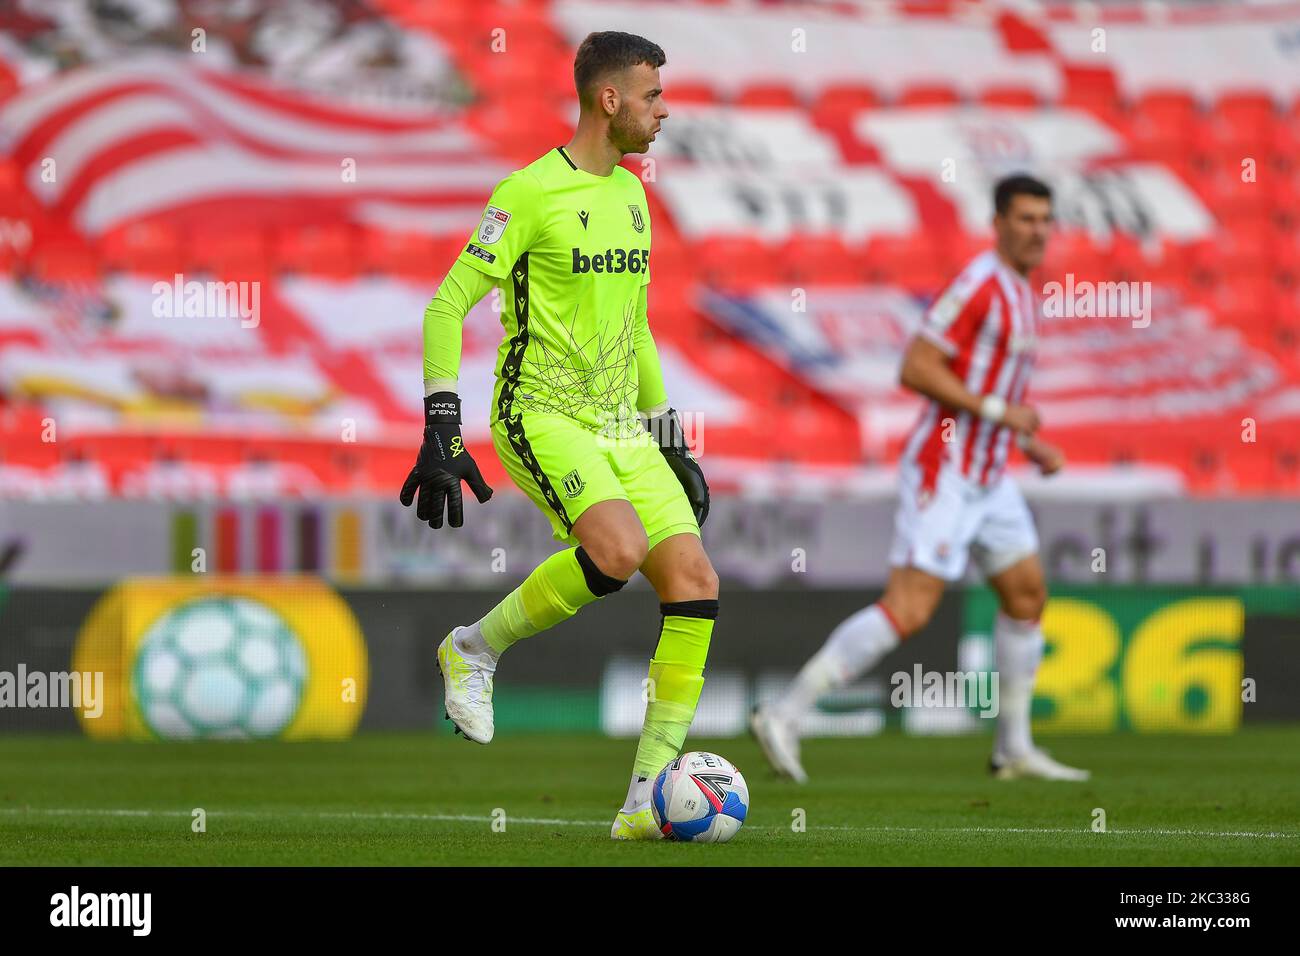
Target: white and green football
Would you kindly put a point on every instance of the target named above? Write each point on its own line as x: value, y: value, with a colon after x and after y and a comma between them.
x: 219, y: 667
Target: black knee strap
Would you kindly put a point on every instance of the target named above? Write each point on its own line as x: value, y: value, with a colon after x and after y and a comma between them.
x: 707, y: 609
x: 598, y: 582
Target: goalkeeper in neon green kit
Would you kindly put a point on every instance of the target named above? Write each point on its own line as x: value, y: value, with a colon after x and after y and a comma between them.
x: 580, y: 418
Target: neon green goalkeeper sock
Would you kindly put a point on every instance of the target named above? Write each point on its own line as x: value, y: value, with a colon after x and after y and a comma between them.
x: 676, y: 679
x: 557, y: 588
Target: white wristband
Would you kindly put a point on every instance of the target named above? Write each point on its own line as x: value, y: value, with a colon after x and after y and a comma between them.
x: 993, y: 408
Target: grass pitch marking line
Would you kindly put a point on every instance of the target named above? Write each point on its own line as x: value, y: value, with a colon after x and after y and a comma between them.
x: 318, y: 815
x: 1127, y: 831
x: 549, y: 821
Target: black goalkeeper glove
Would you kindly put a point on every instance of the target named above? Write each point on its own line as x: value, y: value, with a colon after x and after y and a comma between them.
x: 442, y: 464
x: 667, y: 430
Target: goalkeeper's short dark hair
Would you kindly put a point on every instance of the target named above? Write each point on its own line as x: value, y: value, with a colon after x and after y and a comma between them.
x: 610, y: 51
x: 1009, y: 187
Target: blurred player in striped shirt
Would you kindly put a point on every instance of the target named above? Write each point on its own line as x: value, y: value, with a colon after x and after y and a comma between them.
x: 972, y: 360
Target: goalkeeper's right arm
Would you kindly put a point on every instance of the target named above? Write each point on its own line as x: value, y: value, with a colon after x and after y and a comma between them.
x: 443, y: 461
x: 444, y: 317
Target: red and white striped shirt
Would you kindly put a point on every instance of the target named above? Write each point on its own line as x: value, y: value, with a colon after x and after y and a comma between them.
x: 987, y: 321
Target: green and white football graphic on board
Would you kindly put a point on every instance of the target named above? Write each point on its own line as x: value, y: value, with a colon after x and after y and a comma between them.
x: 219, y: 667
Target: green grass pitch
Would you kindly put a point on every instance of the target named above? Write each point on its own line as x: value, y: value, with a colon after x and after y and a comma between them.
x: 428, y: 799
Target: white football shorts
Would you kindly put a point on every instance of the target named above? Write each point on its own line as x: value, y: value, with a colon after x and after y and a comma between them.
x: 939, y: 530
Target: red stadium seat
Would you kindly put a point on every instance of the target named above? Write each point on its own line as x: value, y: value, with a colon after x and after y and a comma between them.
x: 1162, y: 146
x: 823, y: 260
x: 1165, y: 117
x: 1283, y: 146
x: 1203, y: 261
x: 690, y: 92
x: 914, y: 262
x: 1248, y: 115
x: 1286, y: 200
x: 1285, y: 327
x: 735, y: 262
x: 1093, y: 98
x: 929, y: 94
x: 1167, y: 107
x: 1231, y: 199
x: 1167, y: 269
x: 411, y: 255
x: 1014, y: 96
x: 450, y: 19
x: 728, y: 361
x: 670, y: 258
x: 323, y: 250
x: 1247, y: 219
x: 127, y: 447
x: 957, y: 250
x: 1253, y: 295
x: 1283, y: 245
x: 844, y: 99
x: 768, y: 95
x: 501, y: 75
x: 557, y: 85
x: 1251, y: 130
x: 230, y: 255
x: 820, y: 429
x: 1132, y: 258
x: 152, y: 248
x: 521, y: 130
x: 65, y: 262
x: 1072, y: 251
x: 532, y: 16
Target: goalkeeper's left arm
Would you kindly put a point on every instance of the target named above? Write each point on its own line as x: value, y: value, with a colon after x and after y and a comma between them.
x: 651, y: 400
x: 660, y: 419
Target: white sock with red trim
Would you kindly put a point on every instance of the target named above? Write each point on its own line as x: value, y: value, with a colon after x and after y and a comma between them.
x: 853, y: 648
x: 1019, y: 650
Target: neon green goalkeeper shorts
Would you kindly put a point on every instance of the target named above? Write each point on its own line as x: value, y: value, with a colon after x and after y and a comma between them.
x: 566, y: 468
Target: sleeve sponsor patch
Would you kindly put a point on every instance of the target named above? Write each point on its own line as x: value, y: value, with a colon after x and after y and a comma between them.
x: 483, y: 254
x: 944, y: 312
x: 493, y: 225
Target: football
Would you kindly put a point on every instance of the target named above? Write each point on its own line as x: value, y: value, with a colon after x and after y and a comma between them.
x: 700, y: 797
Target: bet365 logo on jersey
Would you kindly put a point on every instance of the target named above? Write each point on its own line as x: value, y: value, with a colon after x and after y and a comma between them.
x: 611, y: 260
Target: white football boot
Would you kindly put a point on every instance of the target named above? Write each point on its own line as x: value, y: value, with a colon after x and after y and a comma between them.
x: 1035, y: 763
x: 780, y: 742
x: 467, y: 680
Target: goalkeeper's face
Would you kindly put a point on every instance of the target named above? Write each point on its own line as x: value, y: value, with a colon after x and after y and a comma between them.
x: 640, y: 110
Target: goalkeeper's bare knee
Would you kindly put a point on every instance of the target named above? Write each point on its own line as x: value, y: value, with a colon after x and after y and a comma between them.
x: 693, y: 579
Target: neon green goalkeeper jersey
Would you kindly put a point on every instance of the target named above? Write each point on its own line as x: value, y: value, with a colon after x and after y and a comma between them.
x: 570, y: 252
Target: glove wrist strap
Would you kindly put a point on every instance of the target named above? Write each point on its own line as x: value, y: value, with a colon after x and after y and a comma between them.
x: 667, y: 431
x: 442, y: 408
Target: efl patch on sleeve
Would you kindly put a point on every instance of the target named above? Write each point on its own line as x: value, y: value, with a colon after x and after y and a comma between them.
x: 944, y: 312
x: 493, y: 225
